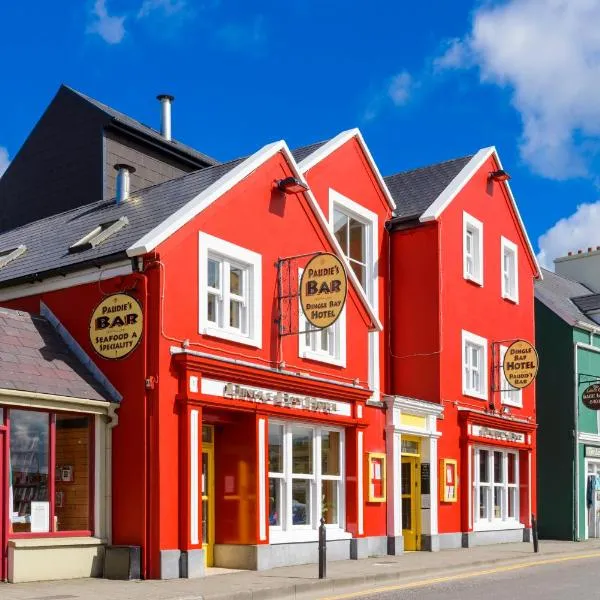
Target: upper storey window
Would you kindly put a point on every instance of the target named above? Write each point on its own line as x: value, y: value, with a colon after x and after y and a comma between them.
x: 230, y: 291
x: 474, y: 358
x: 510, y: 270
x: 472, y: 249
x: 354, y: 228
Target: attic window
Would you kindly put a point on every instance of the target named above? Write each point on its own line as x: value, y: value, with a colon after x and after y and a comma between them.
x: 98, y: 235
x: 7, y: 256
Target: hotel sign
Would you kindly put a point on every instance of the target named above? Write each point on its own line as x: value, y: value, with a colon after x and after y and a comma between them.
x: 500, y: 435
x: 323, y: 289
x: 520, y: 364
x: 591, y: 396
x: 116, y: 326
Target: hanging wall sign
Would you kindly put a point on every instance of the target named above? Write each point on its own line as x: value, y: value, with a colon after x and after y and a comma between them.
x: 323, y: 289
x: 591, y: 396
x: 520, y: 364
x: 116, y: 326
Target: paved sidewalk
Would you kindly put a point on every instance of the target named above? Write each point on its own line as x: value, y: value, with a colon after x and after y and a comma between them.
x: 298, y: 582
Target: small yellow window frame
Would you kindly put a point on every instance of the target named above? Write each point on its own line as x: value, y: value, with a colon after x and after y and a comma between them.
x: 448, y: 487
x: 374, y: 459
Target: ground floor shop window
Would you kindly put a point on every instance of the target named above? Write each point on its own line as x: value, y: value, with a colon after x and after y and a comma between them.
x: 50, y: 460
x: 305, y: 476
x: 495, y: 488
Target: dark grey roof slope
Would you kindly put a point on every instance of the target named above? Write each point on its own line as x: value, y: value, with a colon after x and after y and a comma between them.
x: 33, y: 358
x: 556, y: 292
x: 301, y: 153
x: 49, y: 239
x: 415, y: 191
x: 146, y: 130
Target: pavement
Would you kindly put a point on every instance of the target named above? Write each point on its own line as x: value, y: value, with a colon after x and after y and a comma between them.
x: 292, y: 583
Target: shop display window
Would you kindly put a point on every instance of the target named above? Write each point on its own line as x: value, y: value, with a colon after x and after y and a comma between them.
x: 50, y: 458
x: 305, y: 476
x: 496, y: 490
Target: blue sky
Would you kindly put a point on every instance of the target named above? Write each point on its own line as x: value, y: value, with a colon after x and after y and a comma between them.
x: 424, y: 81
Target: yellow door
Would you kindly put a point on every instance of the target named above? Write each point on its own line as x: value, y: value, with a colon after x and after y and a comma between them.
x: 208, y: 494
x: 411, y: 502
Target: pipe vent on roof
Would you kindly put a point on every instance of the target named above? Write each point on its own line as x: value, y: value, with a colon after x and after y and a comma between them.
x: 123, y: 181
x: 165, y: 121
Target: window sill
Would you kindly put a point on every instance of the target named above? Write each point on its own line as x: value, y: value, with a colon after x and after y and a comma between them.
x: 498, y: 525
x: 510, y: 299
x: 475, y: 395
x: 512, y: 404
x: 307, y: 535
x: 475, y: 280
x: 322, y: 358
x: 230, y: 336
x: 52, y: 542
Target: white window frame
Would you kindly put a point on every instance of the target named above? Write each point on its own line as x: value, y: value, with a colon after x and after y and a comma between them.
x: 471, y: 339
x: 287, y: 531
x: 504, y: 521
x: 512, y: 292
x: 251, y: 262
x: 370, y: 219
x: 475, y: 227
x: 509, y: 395
x: 336, y: 354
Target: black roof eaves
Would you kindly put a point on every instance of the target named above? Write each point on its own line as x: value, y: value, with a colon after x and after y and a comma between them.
x: 97, y: 261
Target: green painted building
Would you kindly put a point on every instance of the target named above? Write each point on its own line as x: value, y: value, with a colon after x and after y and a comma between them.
x: 568, y: 441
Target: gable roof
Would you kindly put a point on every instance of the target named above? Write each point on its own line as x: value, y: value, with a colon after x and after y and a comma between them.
x: 153, y: 214
x: 301, y: 153
x: 323, y: 150
x: 463, y: 170
x: 145, y: 130
x: 48, y: 240
x: 558, y: 293
x: 416, y: 190
x: 33, y: 358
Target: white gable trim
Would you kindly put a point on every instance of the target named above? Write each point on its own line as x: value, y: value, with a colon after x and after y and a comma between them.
x: 458, y: 183
x: 205, y: 198
x: 333, y: 144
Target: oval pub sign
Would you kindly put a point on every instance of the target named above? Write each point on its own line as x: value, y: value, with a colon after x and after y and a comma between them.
x: 520, y: 364
x: 591, y: 396
x: 116, y: 326
x: 323, y: 289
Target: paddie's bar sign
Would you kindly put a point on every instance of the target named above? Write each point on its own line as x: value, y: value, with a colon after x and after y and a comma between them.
x: 116, y: 326
x: 323, y: 290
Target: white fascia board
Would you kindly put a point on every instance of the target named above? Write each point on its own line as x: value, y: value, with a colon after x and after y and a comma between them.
x: 203, y: 200
x: 61, y: 282
x: 458, y: 183
x: 312, y: 202
x: 339, y: 140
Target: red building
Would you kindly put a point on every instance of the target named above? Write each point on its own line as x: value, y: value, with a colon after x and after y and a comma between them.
x: 233, y: 437
x: 461, y: 292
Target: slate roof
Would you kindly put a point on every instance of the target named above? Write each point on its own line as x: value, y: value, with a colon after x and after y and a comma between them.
x: 146, y: 130
x: 301, y: 153
x: 415, y: 191
x: 48, y: 239
x: 557, y: 293
x: 33, y: 358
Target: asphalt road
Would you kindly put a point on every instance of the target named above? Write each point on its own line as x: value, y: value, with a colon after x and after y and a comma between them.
x: 573, y: 580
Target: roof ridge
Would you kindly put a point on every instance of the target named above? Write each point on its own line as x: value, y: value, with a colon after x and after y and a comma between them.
x: 437, y: 164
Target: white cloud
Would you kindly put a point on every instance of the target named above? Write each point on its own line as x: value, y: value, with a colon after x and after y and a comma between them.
x: 577, y: 231
x: 110, y: 28
x: 166, y: 7
x: 547, y: 53
x: 4, y: 160
x: 400, y: 88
